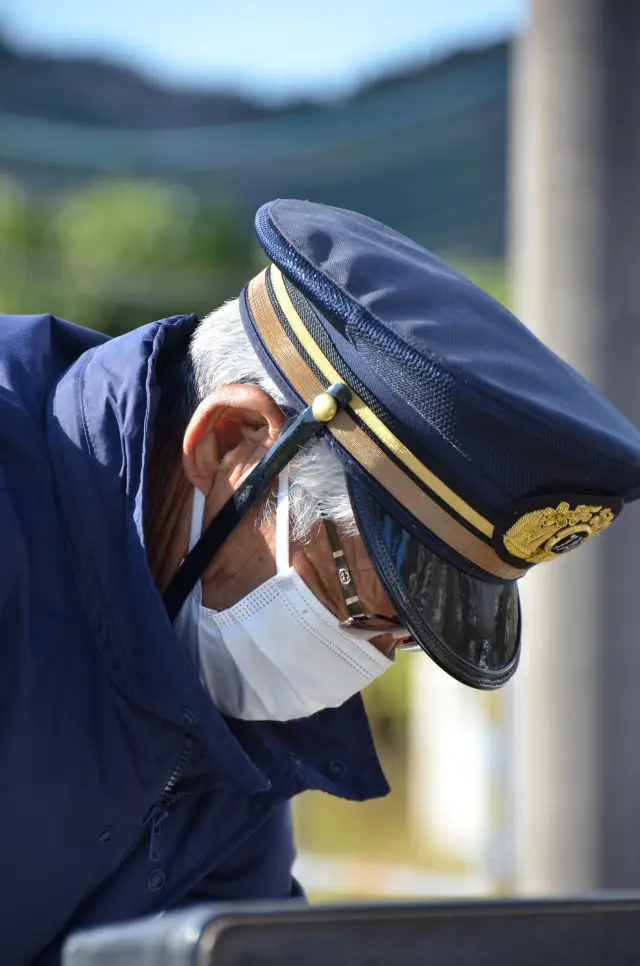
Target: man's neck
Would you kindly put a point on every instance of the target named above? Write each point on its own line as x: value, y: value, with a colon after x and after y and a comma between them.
x: 167, y: 523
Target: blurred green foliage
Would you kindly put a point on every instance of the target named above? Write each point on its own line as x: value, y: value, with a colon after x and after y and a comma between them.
x: 119, y: 253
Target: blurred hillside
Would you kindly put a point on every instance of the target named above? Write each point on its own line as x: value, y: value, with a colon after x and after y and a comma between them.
x: 104, y: 94
x: 424, y: 150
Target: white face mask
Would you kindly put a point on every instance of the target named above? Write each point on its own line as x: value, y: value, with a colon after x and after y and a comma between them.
x: 278, y: 654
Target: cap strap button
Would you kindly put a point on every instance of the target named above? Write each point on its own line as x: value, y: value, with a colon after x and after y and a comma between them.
x: 324, y: 407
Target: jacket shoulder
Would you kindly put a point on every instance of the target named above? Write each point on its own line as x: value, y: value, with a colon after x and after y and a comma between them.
x: 34, y: 351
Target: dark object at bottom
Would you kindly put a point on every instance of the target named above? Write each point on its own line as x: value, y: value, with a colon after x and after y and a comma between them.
x: 585, y: 932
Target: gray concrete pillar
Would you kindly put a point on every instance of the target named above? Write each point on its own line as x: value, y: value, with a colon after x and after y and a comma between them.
x: 575, y: 234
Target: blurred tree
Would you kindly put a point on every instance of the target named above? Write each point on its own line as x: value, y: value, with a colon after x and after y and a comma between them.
x: 218, y: 237
x: 23, y: 227
x: 14, y: 212
x: 121, y: 252
x: 137, y: 250
x: 112, y: 226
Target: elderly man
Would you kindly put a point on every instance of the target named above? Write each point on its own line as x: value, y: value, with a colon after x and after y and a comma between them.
x: 215, y: 534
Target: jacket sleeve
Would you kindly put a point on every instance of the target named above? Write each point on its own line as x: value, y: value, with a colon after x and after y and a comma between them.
x: 259, y: 869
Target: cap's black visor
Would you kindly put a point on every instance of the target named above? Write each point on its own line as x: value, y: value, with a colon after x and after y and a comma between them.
x: 468, y: 626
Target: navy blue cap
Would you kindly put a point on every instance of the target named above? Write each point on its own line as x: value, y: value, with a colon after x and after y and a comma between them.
x: 479, y: 441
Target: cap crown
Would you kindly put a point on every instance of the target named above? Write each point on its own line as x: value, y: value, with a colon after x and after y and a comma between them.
x: 448, y: 380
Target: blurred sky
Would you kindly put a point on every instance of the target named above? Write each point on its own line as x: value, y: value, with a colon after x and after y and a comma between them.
x: 270, y: 49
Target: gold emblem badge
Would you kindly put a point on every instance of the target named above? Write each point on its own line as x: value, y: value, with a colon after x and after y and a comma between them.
x: 546, y: 533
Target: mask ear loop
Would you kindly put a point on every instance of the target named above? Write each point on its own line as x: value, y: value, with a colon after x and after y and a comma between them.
x: 197, y: 517
x: 282, y: 523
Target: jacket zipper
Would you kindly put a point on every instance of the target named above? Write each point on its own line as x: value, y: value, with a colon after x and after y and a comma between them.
x: 161, y: 802
x: 158, y: 811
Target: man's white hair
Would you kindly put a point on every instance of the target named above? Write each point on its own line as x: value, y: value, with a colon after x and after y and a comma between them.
x: 221, y: 354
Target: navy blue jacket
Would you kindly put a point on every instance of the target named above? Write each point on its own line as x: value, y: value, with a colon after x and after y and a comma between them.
x: 124, y: 791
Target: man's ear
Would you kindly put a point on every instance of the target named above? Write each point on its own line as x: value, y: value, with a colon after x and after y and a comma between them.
x: 228, y: 435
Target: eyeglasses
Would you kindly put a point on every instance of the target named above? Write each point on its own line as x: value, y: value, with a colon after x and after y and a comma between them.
x: 357, y: 618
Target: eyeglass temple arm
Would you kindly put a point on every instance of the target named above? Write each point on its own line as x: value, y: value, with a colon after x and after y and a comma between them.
x: 345, y: 576
x: 347, y: 585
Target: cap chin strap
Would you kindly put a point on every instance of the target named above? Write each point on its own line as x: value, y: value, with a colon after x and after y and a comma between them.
x: 308, y: 424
